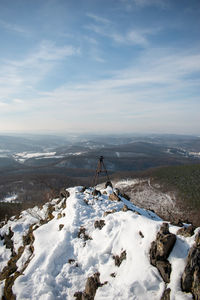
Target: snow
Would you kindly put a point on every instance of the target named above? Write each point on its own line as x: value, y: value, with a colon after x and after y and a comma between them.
x: 51, y: 275
x: 149, y: 196
x: 196, y: 154
x: 10, y: 199
x: 22, y: 156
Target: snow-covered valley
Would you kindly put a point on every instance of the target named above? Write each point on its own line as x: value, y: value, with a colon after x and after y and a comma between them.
x: 82, y: 246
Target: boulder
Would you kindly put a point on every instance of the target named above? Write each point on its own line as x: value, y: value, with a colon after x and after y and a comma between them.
x: 92, y: 285
x: 164, y: 267
x: 161, y: 249
x: 163, y: 245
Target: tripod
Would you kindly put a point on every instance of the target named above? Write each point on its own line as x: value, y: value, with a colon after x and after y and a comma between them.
x: 101, y: 169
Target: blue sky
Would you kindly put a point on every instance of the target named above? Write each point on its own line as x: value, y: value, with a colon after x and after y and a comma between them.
x: 100, y: 66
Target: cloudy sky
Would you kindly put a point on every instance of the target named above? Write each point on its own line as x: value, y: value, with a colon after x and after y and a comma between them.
x: 100, y: 66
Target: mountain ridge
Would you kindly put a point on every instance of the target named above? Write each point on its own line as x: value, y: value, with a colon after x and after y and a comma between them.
x: 80, y: 240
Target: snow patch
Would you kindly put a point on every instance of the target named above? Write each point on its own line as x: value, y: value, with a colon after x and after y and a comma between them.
x: 10, y: 199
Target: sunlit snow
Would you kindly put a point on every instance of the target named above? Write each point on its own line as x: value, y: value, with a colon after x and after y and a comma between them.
x: 50, y: 275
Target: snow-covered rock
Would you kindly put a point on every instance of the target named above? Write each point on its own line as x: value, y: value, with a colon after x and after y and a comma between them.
x: 57, y: 248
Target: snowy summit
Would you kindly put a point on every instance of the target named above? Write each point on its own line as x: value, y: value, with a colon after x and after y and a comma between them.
x: 83, y: 246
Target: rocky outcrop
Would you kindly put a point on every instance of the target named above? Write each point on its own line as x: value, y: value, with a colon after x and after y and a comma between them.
x: 9, y: 272
x: 190, y: 280
x: 160, y: 250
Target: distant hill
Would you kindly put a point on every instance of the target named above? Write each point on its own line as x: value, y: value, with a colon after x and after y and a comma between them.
x: 184, y: 179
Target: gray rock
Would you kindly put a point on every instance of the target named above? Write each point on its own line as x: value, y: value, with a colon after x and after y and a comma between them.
x: 64, y: 194
x: 186, y: 231
x: 164, y: 267
x: 166, y: 294
x: 161, y: 249
x: 92, y: 285
x: 190, y: 280
x: 99, y: 224
x: 96, y: 193
x: 118, y: 259
x: 114, y: 197
x: 108, y: 183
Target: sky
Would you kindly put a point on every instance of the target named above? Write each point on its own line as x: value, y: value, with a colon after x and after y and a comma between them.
x: 100, y: 66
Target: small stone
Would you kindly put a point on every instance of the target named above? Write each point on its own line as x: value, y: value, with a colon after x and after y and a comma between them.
x: 59, y: 216
x: 71, y: 261
x: 118, y: 259
x: 106, y: 213
x: 141, y: 234
x: 125, y: 196
x: 125, y: 208
x: 83, y: 235
x: 96, y: 193
x: 108, y: 183
x: 83, y: 189
x: 114, y: 197
x: 186, y: 231
x: 99, y: 224
x: 61, y: 226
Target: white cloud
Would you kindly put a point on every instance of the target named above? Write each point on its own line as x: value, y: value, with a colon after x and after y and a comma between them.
x: 48, y: 51
x: 14, y: 28
x: 150, y: 94
x: 149, y: 2
x: 20, y: 76
x: 132, y: 4
x: 99, y: 19
x: 130, y: 36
